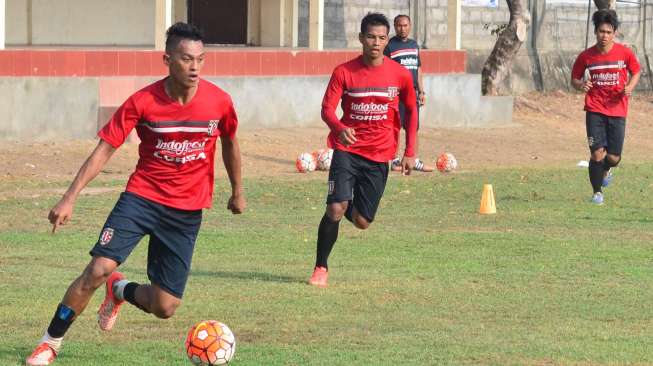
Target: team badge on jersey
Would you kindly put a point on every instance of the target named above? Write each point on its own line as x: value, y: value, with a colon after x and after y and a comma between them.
x: 393, y: 91
x: 106, y: 236
x: 213, y: 126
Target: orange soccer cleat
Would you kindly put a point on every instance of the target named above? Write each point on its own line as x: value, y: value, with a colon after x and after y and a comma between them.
x: 108, y: 312
x: 43, y: 355
x: 320, y: 277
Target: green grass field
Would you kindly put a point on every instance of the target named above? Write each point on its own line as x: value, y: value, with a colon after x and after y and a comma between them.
x: 549, y: 280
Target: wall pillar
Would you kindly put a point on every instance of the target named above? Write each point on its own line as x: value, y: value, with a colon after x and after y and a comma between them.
x: 316, y: 25
x: 162, y: 21
x: 3, y: 23
x: 454, y: 28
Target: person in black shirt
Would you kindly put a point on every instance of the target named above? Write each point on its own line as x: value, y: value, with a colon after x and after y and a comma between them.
x: 405, y: 51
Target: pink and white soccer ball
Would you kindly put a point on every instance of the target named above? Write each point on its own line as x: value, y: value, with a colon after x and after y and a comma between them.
x: 446, y: 162
x: 305, y: 162
x: 324, y: 157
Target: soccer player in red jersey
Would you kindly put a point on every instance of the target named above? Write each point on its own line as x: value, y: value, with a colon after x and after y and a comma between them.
x: 178, y: 120
x: 602, y: 73
x: 365, y: 138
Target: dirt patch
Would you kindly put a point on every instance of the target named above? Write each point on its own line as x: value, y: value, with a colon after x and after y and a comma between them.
x: 549, y: 129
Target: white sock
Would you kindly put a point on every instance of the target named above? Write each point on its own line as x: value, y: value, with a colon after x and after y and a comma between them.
x: 54, y: 343
x: 119, y: 288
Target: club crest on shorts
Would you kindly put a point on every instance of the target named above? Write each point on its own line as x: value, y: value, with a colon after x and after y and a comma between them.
x: 332, y: 186
x: 213, y: 126
x: 393, y: 91
x: 106, y: 236
x: 590, y: 141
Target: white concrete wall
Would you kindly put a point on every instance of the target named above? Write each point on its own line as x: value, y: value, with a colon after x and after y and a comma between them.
x: 80, y: 22
x: 47, y: 109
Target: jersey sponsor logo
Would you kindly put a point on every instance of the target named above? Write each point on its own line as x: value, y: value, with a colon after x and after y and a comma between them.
x: 106, y: 236
x: 180, y: 148
x: 606, y: 78
x: 180, y: 152
x: 180, y: 159
x: 410, y: 61
x: 213, y: 127
x: 369, y: 108
x: 376, y: 117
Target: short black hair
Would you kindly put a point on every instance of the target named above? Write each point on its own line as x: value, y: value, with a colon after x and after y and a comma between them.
x: 605, y: 16
x: 374, y: 19
x: 401, y: 16
x: 180, y: 31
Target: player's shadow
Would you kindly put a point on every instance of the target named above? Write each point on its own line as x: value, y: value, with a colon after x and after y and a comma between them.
x: 255, y: 276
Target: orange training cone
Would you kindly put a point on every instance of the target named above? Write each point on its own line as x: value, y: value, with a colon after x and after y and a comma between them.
x: 488, y: 205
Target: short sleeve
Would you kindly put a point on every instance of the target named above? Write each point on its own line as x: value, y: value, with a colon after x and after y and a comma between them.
x: 229, y: 122
x: 123, y: 121
x: 578, y: 70
x: 632, y: 62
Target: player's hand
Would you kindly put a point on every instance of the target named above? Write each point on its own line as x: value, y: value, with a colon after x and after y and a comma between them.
x: 407, y: 165
x: 587, y: 85
x: 421, y: 99
x: 237, y: 204
x: 347, y: 136
x: 60, y: 214
x: 628, y: 90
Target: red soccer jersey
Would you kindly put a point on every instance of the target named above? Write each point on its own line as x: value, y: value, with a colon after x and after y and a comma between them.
x: 177, y: 149
x: 609, y: 75
x: 370, y: 103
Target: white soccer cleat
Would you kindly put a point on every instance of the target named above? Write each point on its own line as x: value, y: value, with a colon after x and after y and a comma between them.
x: 108, y: 312
x: 43, y: 354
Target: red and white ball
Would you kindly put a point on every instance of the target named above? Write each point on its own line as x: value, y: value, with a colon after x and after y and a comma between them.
x: 446, y: 163
x: 324, y: 157
x: 305, y: 163
x: 210, y: 343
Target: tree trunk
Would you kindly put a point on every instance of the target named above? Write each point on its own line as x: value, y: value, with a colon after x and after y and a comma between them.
x: 508, y: 43
x: 606, y: 4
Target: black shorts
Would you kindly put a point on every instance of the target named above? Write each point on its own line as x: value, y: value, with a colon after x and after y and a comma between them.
x: 605, y: 131
x: 357, y: 180
x: 172, y: 239
x: 402, y: 112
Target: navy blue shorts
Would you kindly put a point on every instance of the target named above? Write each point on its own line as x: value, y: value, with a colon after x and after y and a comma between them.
x: 605, y: 132
x: 357, y: 180
x: 172, y: 239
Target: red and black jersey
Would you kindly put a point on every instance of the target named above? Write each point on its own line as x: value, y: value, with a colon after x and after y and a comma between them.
x: 609, y: 75
x: 177, y: 148
x: 370, y: 103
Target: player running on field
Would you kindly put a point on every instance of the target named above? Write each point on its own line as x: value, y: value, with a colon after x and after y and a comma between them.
x: 405, y: 51
x: 602, y: 72
x: 365, y: 138
x: 178, y: 120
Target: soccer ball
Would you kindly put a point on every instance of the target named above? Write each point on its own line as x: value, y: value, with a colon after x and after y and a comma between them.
x: 446, y: 162
x: 210, y: 343
x: 305, y: 163
x: 324, y: 159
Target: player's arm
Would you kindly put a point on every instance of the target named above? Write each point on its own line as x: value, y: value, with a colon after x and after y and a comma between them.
x: 580, y: 78
x: 332, y: 96
x: 632, y: 83
x: 420, y: 87
x: 61, y: 213
x: 232, y: 164
x: 407, y: 95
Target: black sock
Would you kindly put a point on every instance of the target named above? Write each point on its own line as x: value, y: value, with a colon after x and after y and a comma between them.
x: 61, y: 321
x: 327, y: 235
x: 129, y: 294
x: 596, y: 175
